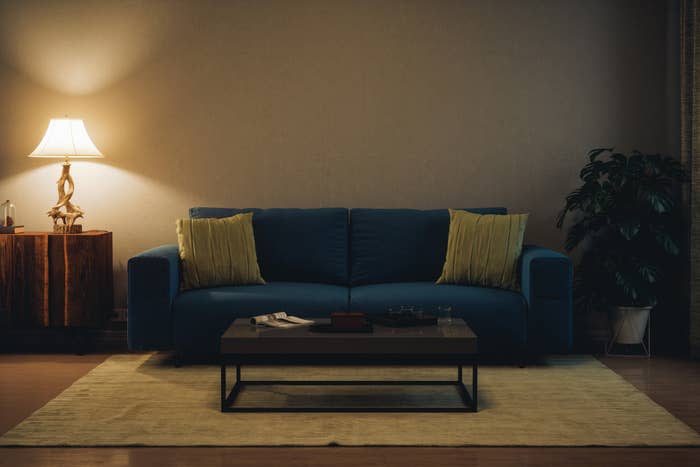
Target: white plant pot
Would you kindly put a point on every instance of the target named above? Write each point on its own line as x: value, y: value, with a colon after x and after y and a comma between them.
x: 629, y: 323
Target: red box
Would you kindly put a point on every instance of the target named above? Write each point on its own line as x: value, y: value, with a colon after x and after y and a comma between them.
x: 352, y: 320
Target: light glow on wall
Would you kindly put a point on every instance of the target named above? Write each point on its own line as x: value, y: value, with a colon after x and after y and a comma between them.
x: 75, y: 49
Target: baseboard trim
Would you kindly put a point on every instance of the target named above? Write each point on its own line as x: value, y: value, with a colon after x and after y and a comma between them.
x: 113, y: 338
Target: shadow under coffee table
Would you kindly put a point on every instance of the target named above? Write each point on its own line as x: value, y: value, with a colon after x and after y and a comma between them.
x: 442, y: 344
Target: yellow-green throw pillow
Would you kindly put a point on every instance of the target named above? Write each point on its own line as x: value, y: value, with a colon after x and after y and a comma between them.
x: 483, y: 249
x: 218, y: 252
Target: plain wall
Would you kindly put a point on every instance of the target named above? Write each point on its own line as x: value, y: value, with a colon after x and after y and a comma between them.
x: 417, y: 104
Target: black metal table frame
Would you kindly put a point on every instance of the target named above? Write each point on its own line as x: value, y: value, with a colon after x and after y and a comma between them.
x: 228, y: 398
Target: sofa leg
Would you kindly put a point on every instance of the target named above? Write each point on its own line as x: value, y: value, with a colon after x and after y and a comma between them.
x: 178, y: 359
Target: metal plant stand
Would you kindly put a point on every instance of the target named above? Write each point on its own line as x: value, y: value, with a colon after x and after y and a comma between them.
x: 645, y: 343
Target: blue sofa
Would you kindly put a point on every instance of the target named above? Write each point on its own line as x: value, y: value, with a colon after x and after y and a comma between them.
x: 316, y: 261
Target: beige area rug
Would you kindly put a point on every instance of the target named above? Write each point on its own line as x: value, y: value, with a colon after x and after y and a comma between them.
x: 143, y: 400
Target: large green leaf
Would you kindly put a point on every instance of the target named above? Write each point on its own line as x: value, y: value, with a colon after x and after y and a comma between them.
x: 592, y: 171
x: 661, y: 202
x: 649, y: 273
x: 627, y: 285
x: 594, y: 153
x: 629, y: 228
x: 576, y: 234
x: 580, y: 230
x: 667, y: 243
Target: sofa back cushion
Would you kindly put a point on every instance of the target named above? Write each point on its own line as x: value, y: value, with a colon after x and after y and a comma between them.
x: 216, y: 252
x: 399, y: 245
x: 297, y: 245
x: 484, y: 250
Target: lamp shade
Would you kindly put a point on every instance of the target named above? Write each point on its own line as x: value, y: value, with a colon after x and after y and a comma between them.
x: 64, y: 138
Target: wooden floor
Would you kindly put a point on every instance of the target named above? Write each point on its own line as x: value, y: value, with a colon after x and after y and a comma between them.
x: 29, y: 381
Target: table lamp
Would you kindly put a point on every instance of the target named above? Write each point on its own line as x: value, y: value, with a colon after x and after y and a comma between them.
x: 65, y: 138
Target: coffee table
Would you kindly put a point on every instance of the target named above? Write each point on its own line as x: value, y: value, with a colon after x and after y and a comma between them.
x: 442, y: 344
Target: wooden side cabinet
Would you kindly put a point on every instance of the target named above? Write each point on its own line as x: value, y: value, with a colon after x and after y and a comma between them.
x: 55, y: 280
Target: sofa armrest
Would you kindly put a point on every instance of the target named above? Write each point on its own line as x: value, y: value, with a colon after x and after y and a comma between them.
x: 154, y: 281
x: 546, y: 281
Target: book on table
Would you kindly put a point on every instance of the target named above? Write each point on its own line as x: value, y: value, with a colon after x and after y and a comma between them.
x: 11, y: 229
x: 279, y: 320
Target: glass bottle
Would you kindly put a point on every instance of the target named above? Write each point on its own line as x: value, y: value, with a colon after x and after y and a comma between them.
x: 7, y: 214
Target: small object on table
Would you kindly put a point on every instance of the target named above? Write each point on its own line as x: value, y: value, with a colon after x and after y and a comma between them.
x: 12, y: 229
x: 350, y: 320
x: 279, y: 320
x: 7, y: 215
x: 404, y: 318
x: 445, y: 312
x: 344, y: 322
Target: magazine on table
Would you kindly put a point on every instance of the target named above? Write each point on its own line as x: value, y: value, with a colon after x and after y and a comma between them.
x: 279, y: 320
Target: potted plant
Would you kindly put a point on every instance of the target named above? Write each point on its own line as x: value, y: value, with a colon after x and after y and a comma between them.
x: 626, y: 227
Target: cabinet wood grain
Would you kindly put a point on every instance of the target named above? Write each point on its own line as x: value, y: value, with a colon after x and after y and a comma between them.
x: 55, y: 280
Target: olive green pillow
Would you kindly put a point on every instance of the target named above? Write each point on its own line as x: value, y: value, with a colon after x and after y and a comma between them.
x: 217, y: 252
x: 483, y: 250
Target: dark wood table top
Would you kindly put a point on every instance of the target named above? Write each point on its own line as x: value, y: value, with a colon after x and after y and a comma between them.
x: 442, y: 339
x: 85, y: 233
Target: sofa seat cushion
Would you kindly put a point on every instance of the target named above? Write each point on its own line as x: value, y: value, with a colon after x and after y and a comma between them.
x: 201, y: 316
x: 497, y: 316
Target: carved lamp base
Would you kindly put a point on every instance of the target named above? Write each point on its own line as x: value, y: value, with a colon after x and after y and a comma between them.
x: 67, y: 229
x: 72, y: 211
